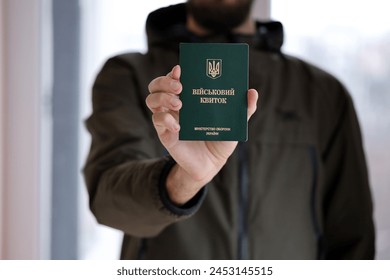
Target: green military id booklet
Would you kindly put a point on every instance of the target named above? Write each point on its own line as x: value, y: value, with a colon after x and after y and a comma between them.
x: 215, y: 84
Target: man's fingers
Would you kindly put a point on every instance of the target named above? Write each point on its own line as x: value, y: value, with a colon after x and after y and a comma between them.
x: 161, y: 102
x: 253, y: 96
x: 175, y: 73
x: 165, y: 84
x: 165, y: 121
x: 169, y: 83
x: 164, y: 102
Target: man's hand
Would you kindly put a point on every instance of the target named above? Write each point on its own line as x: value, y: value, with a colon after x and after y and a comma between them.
x: 197, y: 161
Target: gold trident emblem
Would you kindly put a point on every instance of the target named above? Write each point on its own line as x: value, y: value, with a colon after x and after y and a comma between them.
x: 214, y: 68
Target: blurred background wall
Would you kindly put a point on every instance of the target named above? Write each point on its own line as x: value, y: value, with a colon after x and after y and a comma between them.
x: 23, y: 177
x: 50, y: 53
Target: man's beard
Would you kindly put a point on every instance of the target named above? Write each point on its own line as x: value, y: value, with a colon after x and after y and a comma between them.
x: 216, y: 16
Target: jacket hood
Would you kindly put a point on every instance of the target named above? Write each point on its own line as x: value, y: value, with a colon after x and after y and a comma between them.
x: 166, y: 27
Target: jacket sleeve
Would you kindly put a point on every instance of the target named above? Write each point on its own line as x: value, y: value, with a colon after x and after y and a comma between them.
x: 348, y: 214
x: 125, y: 171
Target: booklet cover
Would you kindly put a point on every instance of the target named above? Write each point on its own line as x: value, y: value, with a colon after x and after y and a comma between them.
x: 215, y: 84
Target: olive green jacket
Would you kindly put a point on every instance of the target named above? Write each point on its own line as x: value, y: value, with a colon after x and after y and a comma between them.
x: 298, y: 189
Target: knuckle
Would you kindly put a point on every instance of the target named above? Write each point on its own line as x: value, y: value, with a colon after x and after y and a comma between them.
x: 165, y: 118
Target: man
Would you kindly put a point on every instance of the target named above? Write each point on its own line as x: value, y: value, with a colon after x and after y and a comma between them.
x: 297, y: 189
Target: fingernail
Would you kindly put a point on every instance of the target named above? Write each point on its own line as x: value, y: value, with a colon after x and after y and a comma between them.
x: 175, y: 85
x: 176, y: 126
x: 175, y: 102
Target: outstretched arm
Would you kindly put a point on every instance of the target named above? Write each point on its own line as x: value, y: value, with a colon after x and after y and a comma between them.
x: 197, y: 161
x: 131, y: 186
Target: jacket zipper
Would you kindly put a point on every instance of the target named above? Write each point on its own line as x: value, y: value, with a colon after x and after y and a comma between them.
x: 242, y: 242
x: 313, y: 204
